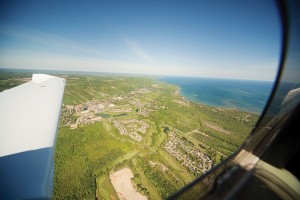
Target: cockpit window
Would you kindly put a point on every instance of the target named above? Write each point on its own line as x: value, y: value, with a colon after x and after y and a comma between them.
x: 157, y: 92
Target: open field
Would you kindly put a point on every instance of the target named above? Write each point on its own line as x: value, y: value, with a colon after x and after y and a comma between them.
x: 216, y: 127
x: 121, y: 180
x: 106, y: 189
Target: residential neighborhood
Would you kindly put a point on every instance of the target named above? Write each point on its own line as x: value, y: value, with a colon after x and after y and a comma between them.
x: 132, y: 128
x: 190, y: 157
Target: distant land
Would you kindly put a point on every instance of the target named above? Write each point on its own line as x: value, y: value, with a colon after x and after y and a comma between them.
x: 246, y: 95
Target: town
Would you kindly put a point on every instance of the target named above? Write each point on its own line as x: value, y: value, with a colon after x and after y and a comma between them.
x: 131, y: 128
x: 122, y: 112
x: 190, y: 157
x: 92, y: 111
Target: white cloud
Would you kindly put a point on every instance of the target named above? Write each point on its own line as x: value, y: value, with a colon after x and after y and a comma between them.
x: 25, y: 59
x: 137, y: 49
x: 39, y: 60
x: 42, y: 59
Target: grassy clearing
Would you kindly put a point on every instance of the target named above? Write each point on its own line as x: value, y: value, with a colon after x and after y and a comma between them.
x: 105, y: 189
x: 176, y: 168
x: 142, y: 183
x: 158, y: 136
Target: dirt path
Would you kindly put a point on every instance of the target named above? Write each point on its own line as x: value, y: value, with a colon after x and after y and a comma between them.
x: 216, y: 127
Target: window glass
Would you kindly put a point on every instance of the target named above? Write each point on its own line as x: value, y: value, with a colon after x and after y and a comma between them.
x: 157, y: 93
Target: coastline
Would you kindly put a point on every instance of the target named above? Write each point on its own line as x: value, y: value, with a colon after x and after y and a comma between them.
x: 192, y: 98
x: 186, y: 98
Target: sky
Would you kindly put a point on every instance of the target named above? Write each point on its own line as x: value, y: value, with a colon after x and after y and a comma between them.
x: 222, y: 39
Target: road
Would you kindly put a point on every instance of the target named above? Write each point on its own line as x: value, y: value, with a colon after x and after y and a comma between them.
x: 193, y: 139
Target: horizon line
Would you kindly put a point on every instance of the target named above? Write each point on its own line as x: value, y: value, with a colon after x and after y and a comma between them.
x: 143, y: 74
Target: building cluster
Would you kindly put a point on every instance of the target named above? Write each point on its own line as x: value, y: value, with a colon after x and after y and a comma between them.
x: 140, y: 91
x: 117, y: 98
x: 190, y: 157
x: 122, y: 109
x: 131, y: 127
x: 86, y: 107
x: 144, y: 107
x: 163, y: 167
x: 87, y: 119
x: 138, y: 125
x: 86, y: 113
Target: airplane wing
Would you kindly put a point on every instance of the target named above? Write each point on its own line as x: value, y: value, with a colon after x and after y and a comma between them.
x: 29, y: 117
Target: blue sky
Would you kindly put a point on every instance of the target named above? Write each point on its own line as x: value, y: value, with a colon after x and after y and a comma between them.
x: 228, y: 39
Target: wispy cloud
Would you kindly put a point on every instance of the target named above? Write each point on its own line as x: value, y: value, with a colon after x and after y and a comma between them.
x: 133, y: 45
x: 79, y: 57
x: 137, y: 49
x: 39, y: 60
x: 48, y: 40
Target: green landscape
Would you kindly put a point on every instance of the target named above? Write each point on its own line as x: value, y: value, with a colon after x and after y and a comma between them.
x: 109, y: 123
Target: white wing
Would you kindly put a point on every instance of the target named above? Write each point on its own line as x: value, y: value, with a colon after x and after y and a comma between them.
x: 29, y: 117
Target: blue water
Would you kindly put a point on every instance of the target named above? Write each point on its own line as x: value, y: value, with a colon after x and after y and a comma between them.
x: 244, y: 95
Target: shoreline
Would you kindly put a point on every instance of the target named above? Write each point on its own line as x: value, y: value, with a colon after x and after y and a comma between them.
x: 178, y: 92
